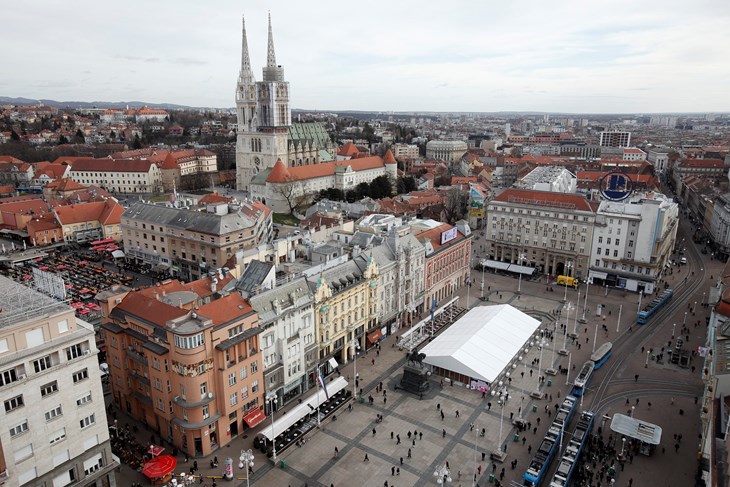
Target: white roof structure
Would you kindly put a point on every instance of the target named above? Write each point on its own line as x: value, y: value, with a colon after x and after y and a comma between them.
x: 483, y: 342
x: 637, y: 429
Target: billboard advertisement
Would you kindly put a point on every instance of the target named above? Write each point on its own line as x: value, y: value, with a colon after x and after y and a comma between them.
x: 448, y: 235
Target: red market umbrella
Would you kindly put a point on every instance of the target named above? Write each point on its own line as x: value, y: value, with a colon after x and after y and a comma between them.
x: 159, y: 466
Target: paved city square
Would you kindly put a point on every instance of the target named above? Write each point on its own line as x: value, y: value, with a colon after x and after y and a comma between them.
x: 367, y: 458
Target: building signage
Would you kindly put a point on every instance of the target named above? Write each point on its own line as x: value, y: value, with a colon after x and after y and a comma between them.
x: 448, y: 235
x: 616, y: 186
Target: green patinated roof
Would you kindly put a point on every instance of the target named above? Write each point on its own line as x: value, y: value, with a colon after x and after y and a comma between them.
x: 313, y: 132
x: 260, y: 178
x: 325, y: 156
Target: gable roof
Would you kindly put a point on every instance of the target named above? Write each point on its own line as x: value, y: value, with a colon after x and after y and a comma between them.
x: 226, y: 309
x: 105, y: 212
x: 111, y: 165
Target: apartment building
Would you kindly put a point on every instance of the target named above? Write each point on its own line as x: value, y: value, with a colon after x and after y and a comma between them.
x: 405, y: 150
x: 632, y: 241
x: 288, y: 340
x: 185, y: 359
x: 54, y: 421
x: 448, y: 252
x: 615, y: 138
x: 188, y: 243
x: 345, y: 311
x: 541, y: 229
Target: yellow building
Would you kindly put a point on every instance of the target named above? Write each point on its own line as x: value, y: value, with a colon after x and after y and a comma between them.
x: 346, y: 310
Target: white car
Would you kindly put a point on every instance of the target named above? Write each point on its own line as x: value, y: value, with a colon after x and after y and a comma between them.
x: 683, y: 260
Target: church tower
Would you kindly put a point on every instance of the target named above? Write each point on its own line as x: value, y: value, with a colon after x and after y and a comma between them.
x: 263, y: 113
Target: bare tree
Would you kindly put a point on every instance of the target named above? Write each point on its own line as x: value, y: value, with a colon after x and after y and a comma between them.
x: 455, y: 205
x: 293, y: 193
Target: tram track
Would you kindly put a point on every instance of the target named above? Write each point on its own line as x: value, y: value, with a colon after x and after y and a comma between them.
x: 626, y: 344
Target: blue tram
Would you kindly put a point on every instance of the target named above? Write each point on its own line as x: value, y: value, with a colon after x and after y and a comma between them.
x: 645, y: 314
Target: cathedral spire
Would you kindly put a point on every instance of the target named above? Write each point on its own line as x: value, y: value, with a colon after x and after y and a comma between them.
x: 246, y: 71
x: 271, y: 55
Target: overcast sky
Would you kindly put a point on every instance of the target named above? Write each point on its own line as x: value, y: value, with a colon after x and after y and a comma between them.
x: 564, y: 56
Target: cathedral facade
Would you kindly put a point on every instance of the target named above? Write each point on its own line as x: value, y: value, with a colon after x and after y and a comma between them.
x: 265, y: 133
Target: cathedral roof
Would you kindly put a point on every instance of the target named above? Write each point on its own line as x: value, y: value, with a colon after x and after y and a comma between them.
x: 279, y: 173
x: 312, y: 132
x: 389, y: 159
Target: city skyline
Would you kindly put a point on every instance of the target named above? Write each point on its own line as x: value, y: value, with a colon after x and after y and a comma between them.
x: 569, y: 58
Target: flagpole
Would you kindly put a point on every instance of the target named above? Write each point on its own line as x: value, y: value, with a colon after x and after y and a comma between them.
x: 318, y: 403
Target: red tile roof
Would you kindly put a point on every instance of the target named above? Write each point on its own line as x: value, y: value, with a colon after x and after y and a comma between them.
x: 226, y: 309
x: 150, y: 309
x: 214, y: 198
x: 322, y: 169
x: 36, y: 206
x: 434, y: 235
x: 348, y: 150
x: 543, y: 198
x: 105, y: 212
x: 110, y: 165
x: 389, y: 159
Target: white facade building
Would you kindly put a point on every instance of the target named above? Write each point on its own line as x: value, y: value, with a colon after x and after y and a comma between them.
x: 660, y: 159
x: 288, y: 344
x: 633, y: 154
x: 118, y: 176
x: 54, y: 429
x: 445, y: 150
x: 632, y: 241
x: 405, y: 150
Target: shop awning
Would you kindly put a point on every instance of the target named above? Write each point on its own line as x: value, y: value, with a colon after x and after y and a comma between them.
x: 255, y: 417
x: 495, y: 264
x: 375, y: 336
x: 521, y: 269
x: 598, y: 274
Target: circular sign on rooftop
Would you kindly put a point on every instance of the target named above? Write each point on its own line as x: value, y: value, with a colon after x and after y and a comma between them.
x: 616, y: 186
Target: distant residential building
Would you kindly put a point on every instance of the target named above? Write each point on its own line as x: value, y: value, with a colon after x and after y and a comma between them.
x: 288, y: 340
x: 54, y: 423
x: 708, y: 168
x: 14, y: 171
x: 632, y: 241
x: 118, y: 176
x: 541, y: 229
x: 660, y: 159
x: 615, y: 138
x: 633, y: 154
x: 405, y: 150
x: 187, y: 242
x: 147, y: 114
x: 720, y: 226
x: 445, y: 150
x: 185, y: 359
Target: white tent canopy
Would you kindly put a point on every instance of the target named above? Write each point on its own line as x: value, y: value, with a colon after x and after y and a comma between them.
x: 483, y: 342
x: 302, y: 410
x: 117, y: 254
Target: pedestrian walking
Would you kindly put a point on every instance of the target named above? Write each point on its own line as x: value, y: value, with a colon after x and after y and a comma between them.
x: 392, y: 471
x: 443, y: 433
x: 392, y: 435
x: 401, y: 460
x: 409, y: 453
x: 420, y: 435
x: 397, y: 437
x: 374, y: 431
x: 442, y: 415
x: 457, y: 413
x: 409, y: 435
x: 366, y: 459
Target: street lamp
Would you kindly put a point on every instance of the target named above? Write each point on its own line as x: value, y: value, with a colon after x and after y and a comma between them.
x: 442, y: 474
x: 245, y: 461
x: 271, y: 400
x: 569, y: 308
x: 519, y: 283
x: 355, y: 349
x: 641, y: 294
x: 503, y: 396
x: 568, y: 267
x: 541, y: 346
x: 674, y: 327
x: 646, y: 364
x: 684, y: 321
x: 575, y: 325
x: 483, y: 266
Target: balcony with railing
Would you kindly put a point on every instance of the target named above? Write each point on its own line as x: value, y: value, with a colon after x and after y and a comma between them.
x: 136, y: 356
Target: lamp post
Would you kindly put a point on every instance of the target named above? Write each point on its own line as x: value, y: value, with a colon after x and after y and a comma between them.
x: 503, y: 396
x: 482, y: 264
x: 568, y: 267
x: 646, y: 363
x: 245, y: 461
x: 541, y: 345
x: 519, y: 283
x: 476, y: 439
x: 567, y: 375
x: 684, y: 321
x: 623, y: 445
x: 585, y: 304
x: 355, y: 349
x: 271, y: 400
x: 575, y: 324
x: 564, y: 350
x: 641, y: 294
x: 618, y: 322
x: 442, y: 474
x: 674, y: 327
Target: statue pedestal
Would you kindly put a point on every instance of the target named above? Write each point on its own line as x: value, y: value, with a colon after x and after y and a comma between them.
x: 415, y: 379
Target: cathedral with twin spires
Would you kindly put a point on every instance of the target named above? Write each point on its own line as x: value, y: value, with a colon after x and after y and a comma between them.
x: 265, y: 133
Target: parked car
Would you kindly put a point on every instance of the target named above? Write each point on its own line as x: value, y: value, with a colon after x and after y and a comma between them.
x: 683, y: 260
